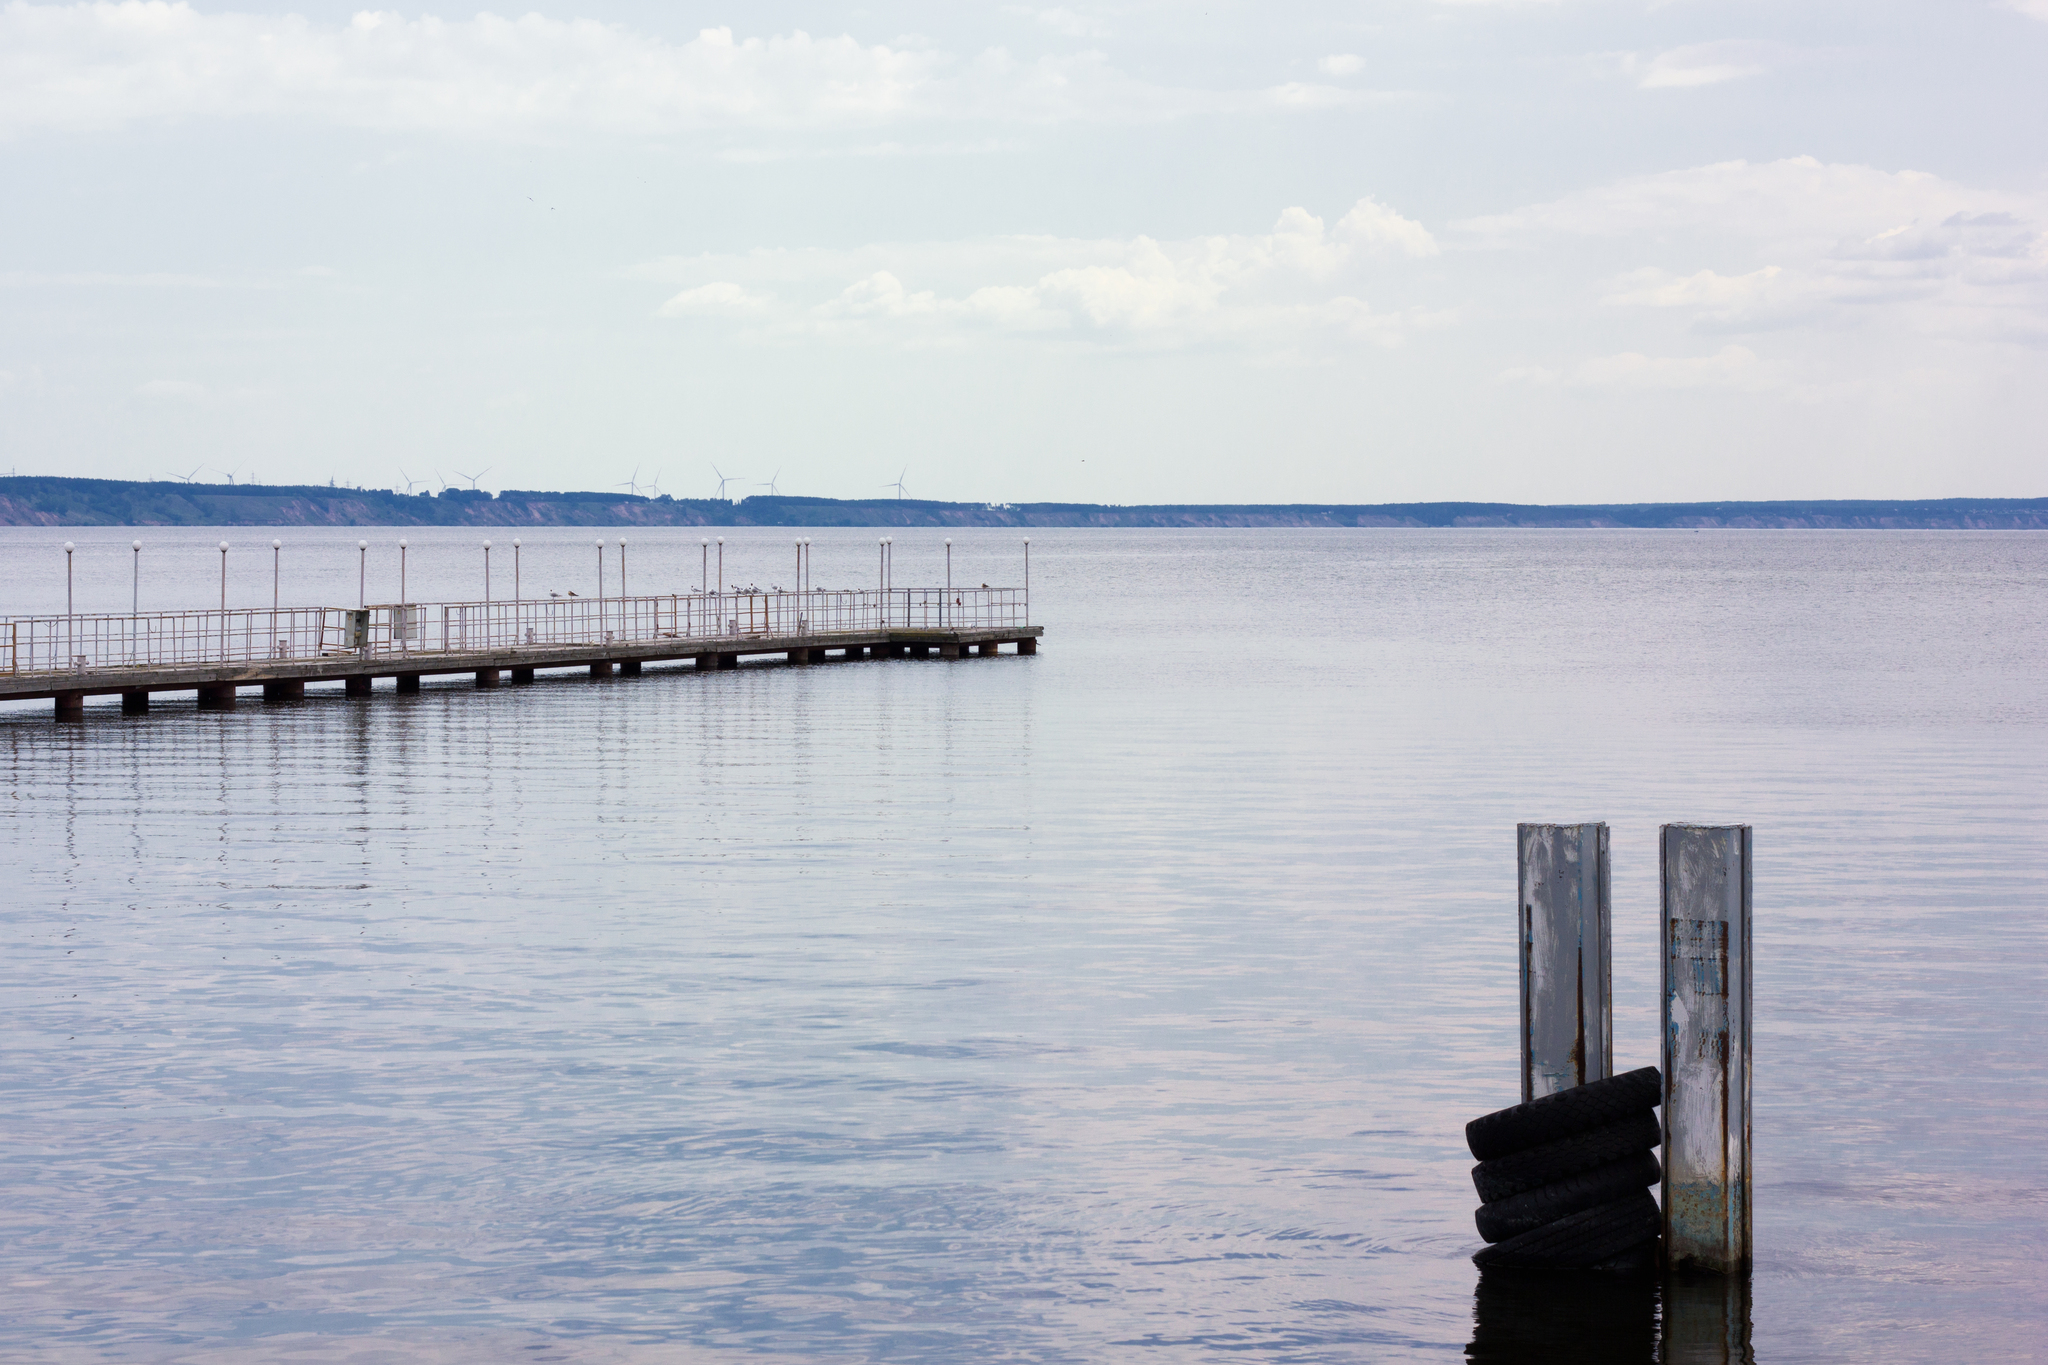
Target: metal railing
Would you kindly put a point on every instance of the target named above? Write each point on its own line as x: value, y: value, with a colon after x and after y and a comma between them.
x: 85, y: 643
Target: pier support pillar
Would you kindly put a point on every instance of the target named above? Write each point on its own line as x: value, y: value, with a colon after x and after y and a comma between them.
x: 705, y: 661
x: 856, y: 651
x: 1028, y: 645
x: 728, y: 661
x: 290, y: 690
x: 601, y: 669
x: 357, y: 685
x: 135, y: 703
x: 522, y: 675
x: 408, y: 682
x: 1706, y: 886
x: 71, y: 706
x: 629, y: 668
x: 952, y: 651
x: 990, y: 648
x: 1567, y: 1004
x: 817, y: 656
x: 487, y: 677
x: 217, y: 697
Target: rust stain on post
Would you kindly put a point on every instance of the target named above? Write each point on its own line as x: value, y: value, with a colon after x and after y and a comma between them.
x: 1567, y: 1001
x: 1706, y: 977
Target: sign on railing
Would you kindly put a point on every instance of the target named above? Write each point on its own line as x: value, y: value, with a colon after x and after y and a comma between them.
x: 60, y: 644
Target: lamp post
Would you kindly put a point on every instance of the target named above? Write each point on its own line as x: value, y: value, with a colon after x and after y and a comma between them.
x: 276, y: 558
x: 223, y: 601
x: 600, y: 578
x: 704, y: 564
x: 949, y: 583
x: 807, y: 563
x: 721, y: 565
x: 1027, y: 580
x: 487, y: 573
x: 70, y: 623
x: 404, y: 621
x: 362, y: 572
x: 515, y: 570
x: 135, y: 585
x: 622, y: 570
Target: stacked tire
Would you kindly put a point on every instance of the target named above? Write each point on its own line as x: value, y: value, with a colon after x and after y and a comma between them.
x: 1564, y: 1181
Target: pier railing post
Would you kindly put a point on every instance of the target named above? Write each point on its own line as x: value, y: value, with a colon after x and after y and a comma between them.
x: 1706, y: 903
x: 1567, y: 998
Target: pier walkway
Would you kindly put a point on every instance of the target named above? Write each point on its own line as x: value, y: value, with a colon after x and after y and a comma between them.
x: 217, y: 653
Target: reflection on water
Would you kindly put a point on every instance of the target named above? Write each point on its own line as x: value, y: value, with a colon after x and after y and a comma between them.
x: 1706, y: 1320
x: 1580, y: 1317
x: 1130, y: 997
x: 1587, y: 1317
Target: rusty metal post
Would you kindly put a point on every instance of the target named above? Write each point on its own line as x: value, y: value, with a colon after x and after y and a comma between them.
x: 1567, y: 995
x: 1706, y: 900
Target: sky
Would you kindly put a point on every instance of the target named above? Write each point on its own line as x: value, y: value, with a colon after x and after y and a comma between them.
x: 1388, y: 250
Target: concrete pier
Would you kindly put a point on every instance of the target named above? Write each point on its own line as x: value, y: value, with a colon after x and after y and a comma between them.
x: 284, y: 675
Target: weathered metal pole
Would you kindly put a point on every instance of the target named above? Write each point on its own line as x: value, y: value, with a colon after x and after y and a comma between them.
x: 1567, y: 995
x: 1706, y: 900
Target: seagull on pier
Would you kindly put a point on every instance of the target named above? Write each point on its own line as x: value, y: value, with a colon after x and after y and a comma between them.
x: 554, y: 594
x: 572, y: 592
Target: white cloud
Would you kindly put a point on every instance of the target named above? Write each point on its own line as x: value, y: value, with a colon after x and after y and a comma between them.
x: 1341, y: 64
x: 719, y: 299
x: 107, y: 65
x: 1686, y: 68
x: 1798, y: 203
x: 1300, y: 281
x: 2033, y: 9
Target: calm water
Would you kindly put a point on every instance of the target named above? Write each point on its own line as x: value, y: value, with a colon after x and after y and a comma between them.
x: 1124, y: 1002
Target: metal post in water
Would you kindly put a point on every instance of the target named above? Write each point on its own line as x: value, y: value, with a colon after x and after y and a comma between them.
x: 1567, y: 995
x: 1706, y: 902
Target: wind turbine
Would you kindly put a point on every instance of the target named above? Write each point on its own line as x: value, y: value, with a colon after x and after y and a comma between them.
x: 410, y: 482
x: 654, y: 484
x: 723, y: 479
x: 773, y: 491
x: 187, y: 478
x: 898, y: 485
x: 471, y: 477
x: 631, y: 485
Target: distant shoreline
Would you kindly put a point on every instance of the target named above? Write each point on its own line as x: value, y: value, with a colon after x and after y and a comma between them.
x: 32, y: 500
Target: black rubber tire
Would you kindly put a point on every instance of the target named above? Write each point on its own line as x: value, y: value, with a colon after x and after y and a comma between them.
x: 1579, y: 1241
x: 1506, y: 1176
x: 1530, y: 1210
x: 1507, y: 1131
